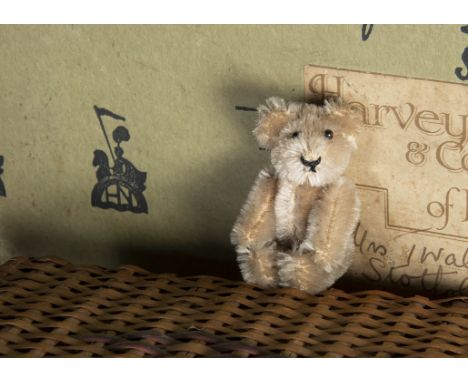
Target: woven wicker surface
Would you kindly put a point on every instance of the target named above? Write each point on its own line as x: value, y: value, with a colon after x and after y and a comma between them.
x: 48, y: 307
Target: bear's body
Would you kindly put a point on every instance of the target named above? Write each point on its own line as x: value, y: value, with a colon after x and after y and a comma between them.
x: 296, y: 227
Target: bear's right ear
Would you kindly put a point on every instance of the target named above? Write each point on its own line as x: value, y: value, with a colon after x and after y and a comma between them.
x: 272, y: 118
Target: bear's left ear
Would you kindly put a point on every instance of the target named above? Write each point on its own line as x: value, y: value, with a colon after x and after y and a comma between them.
x: 272, y: 118
x: 344, y: 115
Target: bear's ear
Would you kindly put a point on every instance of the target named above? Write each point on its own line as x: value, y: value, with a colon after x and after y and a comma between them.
x: 272, y: 118
x: 344, y: 115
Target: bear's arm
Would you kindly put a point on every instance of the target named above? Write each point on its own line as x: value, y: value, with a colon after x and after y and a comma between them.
x: 332, y: 222
x: 255, y: 226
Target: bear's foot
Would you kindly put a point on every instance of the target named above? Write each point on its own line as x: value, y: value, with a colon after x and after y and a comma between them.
x: 299, y: 270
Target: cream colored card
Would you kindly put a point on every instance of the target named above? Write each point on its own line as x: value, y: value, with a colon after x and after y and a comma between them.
x: 412, y: 172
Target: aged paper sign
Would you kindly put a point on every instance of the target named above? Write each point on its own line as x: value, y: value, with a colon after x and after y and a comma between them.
x: 411, y: 169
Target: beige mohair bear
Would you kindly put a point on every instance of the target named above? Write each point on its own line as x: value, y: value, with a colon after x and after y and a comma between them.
x: 296, y: 227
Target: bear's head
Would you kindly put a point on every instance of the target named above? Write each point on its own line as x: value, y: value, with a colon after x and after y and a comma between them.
x: 308, y: 143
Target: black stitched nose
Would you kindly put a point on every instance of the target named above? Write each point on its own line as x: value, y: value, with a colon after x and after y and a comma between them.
x: 311, y: 164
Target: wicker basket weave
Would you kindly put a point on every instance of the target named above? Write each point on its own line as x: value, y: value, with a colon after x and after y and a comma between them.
x: 48, y: 307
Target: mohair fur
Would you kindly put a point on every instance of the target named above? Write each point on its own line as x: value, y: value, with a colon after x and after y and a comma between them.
x: 296, y: 227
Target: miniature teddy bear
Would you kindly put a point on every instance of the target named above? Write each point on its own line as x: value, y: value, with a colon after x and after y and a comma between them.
x: 296, y: 227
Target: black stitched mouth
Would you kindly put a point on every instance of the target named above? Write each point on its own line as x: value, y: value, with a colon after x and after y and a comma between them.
x: 311, y: 164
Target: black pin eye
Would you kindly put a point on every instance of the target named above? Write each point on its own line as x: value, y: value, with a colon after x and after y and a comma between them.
x: 295, y: 134
x: 328, y: 134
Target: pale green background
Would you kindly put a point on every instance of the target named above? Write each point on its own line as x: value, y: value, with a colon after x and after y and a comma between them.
x: 178, y: 87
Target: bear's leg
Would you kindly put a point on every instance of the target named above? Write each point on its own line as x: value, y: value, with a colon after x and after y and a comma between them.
x: 304, y: 271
